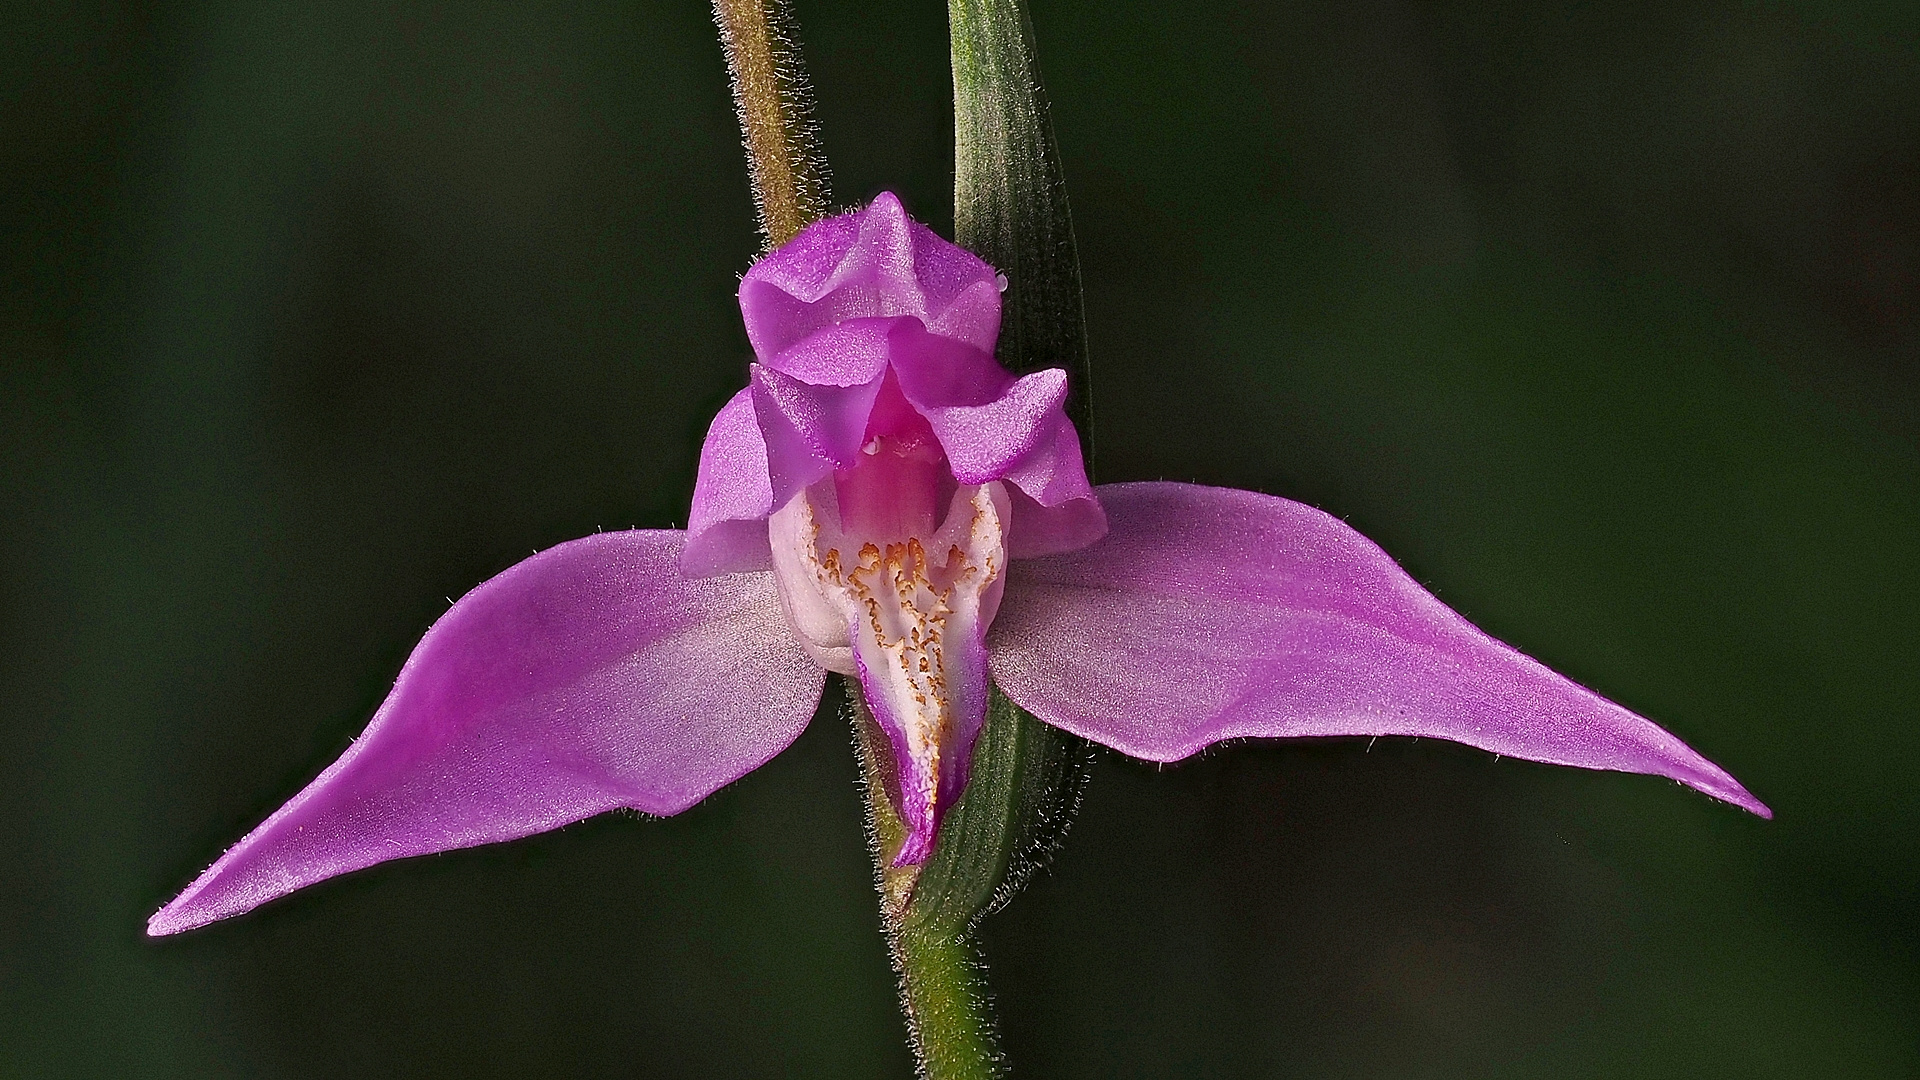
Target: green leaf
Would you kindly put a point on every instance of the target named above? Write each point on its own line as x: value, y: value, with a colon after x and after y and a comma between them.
x: 1009, y: 197
x: 1026, y: 784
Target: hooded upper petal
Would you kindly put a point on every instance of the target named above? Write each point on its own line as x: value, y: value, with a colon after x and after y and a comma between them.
x: 873, y: 262
x: 1209, y: 614
x: 590, y: 677
x: 854, y: 304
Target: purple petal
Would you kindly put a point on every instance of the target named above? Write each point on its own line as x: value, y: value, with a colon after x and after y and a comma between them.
x: 1048, y: 530
x: 942, y: 372
x: 851, y: 353
x: 1053, y: 472
x: 993, y: 426
x: 732, y: 496
x: 961, y: 292
x: 984, y: 441
x: 587, y: 678
x: 1026, y: 439
x: 809, y: 430
x: 1054, y: 508
x: 871, y: 263
x: 1209, y: 614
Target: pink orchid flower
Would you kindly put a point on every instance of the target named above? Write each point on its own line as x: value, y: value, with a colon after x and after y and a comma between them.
x: 885, y: 501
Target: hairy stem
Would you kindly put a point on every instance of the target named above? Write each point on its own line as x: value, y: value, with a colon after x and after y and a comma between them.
x: 942, y: 988
x: 774, y: 101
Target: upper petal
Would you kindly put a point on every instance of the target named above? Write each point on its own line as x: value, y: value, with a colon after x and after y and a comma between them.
x: 1053, y: 472
x: 849, y: 353
x: 1039, y: 529
x: 993, y: 426
x: 985, y: 437
x: 590, y: 677
x: 1210, y: 614
x: 943, y: 372
x: 810, y: 430
x: 873, y: 262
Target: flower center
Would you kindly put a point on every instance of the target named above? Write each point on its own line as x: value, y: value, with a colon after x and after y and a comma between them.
x: 880, y: 586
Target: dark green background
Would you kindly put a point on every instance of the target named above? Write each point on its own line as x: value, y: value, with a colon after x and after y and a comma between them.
x: 1602, y: 317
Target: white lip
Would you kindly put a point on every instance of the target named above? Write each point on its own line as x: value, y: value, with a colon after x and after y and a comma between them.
x: 906, y: 615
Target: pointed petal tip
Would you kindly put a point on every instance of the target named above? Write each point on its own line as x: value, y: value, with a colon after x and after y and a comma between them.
x: 178, y: 916
x: 1692, y: 769
x: 164, y: 924
x: 591, y: 677
x: 1728, y: 790
x: 218, y: 892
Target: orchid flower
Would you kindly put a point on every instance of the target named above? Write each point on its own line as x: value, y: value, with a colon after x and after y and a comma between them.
x: 884, y: 501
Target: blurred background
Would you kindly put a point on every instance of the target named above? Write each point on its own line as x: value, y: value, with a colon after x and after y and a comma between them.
x: 1603, y: 317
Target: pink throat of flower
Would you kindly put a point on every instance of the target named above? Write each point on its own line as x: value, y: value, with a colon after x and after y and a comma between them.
x: 891, y: 571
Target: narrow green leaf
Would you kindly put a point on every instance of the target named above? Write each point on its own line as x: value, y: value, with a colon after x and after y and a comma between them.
x: 1009, y: 197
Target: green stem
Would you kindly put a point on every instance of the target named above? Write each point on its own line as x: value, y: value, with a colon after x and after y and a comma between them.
x: 774, y: 101
x: 943, y: 991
